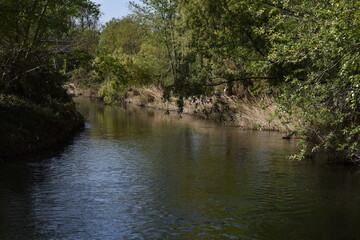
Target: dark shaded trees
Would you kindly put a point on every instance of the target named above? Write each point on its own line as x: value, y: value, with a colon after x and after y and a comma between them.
x: 33, y: 33
x: 36, y: 36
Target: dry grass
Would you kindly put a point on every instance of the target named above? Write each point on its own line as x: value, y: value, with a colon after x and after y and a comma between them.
x: 262, y: 114
x: 238, y: 111
x: 151, y: 97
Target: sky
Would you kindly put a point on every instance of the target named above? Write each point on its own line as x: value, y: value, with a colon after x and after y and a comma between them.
x: 113, y: 8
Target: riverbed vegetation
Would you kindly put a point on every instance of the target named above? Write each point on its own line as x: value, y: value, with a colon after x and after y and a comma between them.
x: 302, y: 55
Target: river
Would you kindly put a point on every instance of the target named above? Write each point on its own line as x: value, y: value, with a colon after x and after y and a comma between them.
x: 137, y: 173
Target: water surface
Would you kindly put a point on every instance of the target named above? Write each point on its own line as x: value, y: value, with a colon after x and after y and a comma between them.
x: 139, y: 174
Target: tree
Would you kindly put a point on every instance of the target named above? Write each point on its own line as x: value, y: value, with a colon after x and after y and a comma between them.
x: 318, y: 45
x: 129, y: 55
x: 304, y: 53
x: 160, y: 15
x: 123, y: 34
x: 33, y: 33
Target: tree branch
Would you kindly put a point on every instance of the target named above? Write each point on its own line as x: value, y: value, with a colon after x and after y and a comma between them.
x: 238, y: 79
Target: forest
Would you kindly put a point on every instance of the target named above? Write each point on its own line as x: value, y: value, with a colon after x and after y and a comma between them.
x: 303, y: 55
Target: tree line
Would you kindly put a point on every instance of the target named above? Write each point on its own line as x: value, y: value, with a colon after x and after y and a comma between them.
x: 305, y: 54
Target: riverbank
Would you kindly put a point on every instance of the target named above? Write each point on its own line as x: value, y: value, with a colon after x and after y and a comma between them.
x: 245, y: 112
x: 248, y: 112
x: 28, y: 127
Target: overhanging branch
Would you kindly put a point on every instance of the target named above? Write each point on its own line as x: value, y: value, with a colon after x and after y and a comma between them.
x: 238, y: 79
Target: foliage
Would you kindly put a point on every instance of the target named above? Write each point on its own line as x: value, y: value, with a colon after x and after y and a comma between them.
x: 304, y: 53
x: 319, y: 46
x: 33, y: 34
x: 83, y: 50
x: 37, y: 36
x: 124, y: 35
x: 27, y: 126
x: 128, y: 56
x: 120, y: 72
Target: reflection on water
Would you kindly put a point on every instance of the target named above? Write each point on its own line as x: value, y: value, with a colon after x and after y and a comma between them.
x: 139, y: 174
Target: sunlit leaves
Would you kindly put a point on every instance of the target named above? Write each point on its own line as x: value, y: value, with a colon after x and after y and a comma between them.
x: 320, y: 46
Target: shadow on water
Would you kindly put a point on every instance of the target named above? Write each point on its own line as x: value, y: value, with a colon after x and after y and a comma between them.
x: 18, y: 175
x: 139, y: 174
